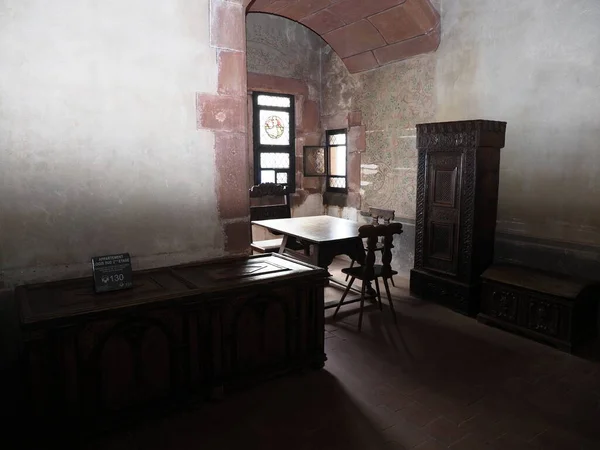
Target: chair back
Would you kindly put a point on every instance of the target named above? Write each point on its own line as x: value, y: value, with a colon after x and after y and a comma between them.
x: 269, y: 201
x: 372, y: 233
x: 387, y: 215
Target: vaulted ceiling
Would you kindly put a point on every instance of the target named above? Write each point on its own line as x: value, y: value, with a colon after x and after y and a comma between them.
x: 366, y: 34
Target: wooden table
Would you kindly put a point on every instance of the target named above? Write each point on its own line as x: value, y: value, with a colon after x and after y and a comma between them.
x: 318, y: 239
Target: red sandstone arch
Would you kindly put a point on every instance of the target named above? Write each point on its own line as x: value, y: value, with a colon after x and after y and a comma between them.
x: 366, y: 34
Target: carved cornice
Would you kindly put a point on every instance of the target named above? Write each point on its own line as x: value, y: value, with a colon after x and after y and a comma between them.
x: 448, y: 136
x: 461, y: 126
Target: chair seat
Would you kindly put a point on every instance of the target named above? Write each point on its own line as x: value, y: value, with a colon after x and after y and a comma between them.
x: 357, y: 272
x: 267, y: 246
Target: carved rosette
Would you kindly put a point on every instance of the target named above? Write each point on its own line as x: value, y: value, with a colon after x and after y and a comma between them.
x: 420, y: 218
x: 543, y: 317
x: 505, y: 305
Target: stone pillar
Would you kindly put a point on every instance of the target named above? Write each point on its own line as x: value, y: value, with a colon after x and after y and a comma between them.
x: 225, y: 113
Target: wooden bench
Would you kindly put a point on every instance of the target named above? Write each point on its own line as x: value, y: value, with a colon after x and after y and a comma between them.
x: 268, y: 201
x: 267, y: 246
x: 551, y: 308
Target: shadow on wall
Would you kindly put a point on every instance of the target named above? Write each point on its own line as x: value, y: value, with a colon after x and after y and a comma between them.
x: 403, y: 253
x: 51, y: 234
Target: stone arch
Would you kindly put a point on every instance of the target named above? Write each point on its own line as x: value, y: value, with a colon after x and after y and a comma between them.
x: 365, y: 34
x: 373, y: 33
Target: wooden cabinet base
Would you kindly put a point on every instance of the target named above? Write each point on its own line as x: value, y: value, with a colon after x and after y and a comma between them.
x: 461, y: 297
x: 182, y: 334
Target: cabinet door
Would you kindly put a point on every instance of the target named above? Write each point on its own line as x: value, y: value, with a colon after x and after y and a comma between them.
x: 130, y: 362
x: 259, y: 332
x: 442, y: 214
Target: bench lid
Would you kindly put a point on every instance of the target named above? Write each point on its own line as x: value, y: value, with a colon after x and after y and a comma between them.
x: 536, y: 280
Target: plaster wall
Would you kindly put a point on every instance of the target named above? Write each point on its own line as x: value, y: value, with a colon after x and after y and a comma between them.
x: 534, y: 64
x: 99, y: 151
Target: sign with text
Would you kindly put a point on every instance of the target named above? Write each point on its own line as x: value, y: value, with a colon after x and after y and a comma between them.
x: 112, y: 272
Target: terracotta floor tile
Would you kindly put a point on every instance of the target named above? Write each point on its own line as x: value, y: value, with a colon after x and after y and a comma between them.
x: 474, y: 441
x: 512, y: 441
x: 430, y: 444
x: 406, y: 434
x: 445, y: 431
x: 418, y: 415
x: 556, y: 439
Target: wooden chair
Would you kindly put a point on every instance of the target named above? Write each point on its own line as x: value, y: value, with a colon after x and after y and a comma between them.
x: 371, y: 271
x: 268, y: 201
x: 377, y: 214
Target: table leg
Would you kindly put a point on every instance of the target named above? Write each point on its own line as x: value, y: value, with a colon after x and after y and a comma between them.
x: 283, y: 244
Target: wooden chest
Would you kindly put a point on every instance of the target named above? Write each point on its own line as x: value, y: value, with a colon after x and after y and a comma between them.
x: 181, y: 334
x: 551, y: 308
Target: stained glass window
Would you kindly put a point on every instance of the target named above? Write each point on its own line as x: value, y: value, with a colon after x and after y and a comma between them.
x: 274, y: 100
x: 336, y: 161
x: 273, y: 137
x: 274, y: 127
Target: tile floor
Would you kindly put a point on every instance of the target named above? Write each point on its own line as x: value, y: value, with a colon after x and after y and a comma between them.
x: 434, y: 380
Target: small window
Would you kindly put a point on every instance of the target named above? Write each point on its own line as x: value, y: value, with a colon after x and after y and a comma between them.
x: 274, y: 139
x: 336, y: 161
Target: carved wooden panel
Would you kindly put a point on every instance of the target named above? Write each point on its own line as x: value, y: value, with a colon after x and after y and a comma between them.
x: 543, y: 316
x: 504, y: 305
x: 259, y: 331
x: 441, y: 240
x: 442, y: 212
x: 444, y: 188
x: 467, y: 216
x: 131, y: 361
x: 420, y: 213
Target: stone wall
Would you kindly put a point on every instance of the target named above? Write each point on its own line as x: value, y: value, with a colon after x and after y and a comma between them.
x: 497, y: 61
x: 284, y: 56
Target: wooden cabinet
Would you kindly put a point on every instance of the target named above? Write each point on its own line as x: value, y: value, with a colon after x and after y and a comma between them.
x: 180, y: 334
x: 457, y: 196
